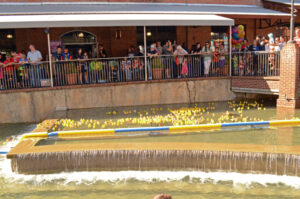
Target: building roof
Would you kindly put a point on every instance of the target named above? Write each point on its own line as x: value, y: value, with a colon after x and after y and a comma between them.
x: 97, y: 8
x: 90, y: 20
x: 287, y: 2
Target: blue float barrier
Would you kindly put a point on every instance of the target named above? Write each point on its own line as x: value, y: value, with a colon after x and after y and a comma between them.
x: 166, y: 128
x: 244, y: 124
x: 172, y: 129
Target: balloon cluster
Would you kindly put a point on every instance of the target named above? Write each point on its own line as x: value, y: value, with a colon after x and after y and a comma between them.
x: 238, y: 36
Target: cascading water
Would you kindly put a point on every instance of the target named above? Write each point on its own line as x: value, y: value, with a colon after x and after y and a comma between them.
x: 158, y: 160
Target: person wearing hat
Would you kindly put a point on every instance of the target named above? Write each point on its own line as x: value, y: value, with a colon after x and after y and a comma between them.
x: 179, y: 53
x: 152, y: 53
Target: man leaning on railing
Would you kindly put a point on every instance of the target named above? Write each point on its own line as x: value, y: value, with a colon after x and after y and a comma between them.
x: 36, y: 72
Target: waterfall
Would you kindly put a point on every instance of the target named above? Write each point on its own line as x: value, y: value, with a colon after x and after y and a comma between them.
x: 157, y: 160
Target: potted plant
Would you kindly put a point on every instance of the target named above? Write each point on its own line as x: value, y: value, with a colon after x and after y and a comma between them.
x: 71, y: 75
x: 157, y: 68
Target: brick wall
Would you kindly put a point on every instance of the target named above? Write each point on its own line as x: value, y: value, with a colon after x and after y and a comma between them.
x: 244, y: 2
x: 289, y: 74
x: 270, y: 83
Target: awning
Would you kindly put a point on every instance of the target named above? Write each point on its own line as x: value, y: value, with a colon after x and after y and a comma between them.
x: 97, y: 20
x: 135, y: 8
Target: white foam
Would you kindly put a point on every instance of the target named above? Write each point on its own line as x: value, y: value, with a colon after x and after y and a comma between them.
x: 144, y: 176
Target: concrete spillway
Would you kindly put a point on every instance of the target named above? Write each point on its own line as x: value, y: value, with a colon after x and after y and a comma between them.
x: 29, y: 158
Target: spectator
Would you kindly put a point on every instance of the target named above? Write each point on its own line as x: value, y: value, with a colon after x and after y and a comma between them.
x: 34, y: 56
x: 140, y: 51
x: 197, y: 49
x: 162, y: 196
x: 23, y: 69
x: 152, y: 53
x: 198, y: 69
x: 297, y: 36
x: 223, y: 68
x: 102, y: 51
x: 159, y: 48
x: 9, y: 72
x: 254, y: 48
x: 258, y: 39
x: 137, y: 69
x: 167, y: 48
x: 66, y: 56
x: 131, y: 52
x: 86, y: 67
x: 184, y: 70
x: 58, y: 54
x: 179, y: 52
x: 81, y: 64
x: 282, y: 42
x: 60, y: 79
x: 36, y: 72
x: 15, y: 57
x: 245, y: 46
x: 276, y: 47
x: 216, y: 55
x: 127, y: 69
x: 207, y: 55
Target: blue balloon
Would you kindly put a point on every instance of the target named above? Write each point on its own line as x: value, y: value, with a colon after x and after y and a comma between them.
x: 235, y: 36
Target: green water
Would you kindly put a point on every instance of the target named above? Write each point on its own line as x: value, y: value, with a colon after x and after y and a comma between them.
x: 144, y: 185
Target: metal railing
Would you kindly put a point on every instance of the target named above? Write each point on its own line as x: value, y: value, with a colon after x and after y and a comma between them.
x: 256, y: 64
x: 127, y: 69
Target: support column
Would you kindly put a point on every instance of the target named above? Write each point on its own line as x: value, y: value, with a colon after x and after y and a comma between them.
x: 49, y: 54
x: 145, y: 54
x: 289, y: 77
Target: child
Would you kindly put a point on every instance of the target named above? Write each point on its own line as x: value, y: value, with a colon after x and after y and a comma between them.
x: 22, y: 71
x: 241, y: 65
x: 216, y: 61
x: 86, y: 68
x: 223, y: 69
x: 126, y: 67
x: 136, y: 69
x: 184, y: 70
x: 235, y: 64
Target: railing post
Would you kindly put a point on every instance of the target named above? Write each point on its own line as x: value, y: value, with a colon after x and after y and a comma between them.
x: 145, y: 54
x: 49, y: 54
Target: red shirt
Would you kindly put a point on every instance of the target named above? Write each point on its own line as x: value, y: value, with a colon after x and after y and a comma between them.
x: 9, y: 69
x: 216, y: 57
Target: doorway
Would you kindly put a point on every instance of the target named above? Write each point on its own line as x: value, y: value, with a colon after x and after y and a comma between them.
x: 76, y: 39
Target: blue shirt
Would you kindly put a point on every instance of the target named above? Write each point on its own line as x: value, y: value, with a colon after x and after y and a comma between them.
x: 34, y: 56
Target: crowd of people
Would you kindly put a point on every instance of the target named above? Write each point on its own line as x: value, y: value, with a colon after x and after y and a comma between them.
x: 168, y: 60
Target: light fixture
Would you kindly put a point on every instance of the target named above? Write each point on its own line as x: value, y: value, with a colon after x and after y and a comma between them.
x: 81, y: 34
x: 149, y: 34
x: 9, y: 36
x: 118, y: 34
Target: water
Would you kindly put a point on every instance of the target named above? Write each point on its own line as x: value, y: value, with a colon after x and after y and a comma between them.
x: 145, y: 184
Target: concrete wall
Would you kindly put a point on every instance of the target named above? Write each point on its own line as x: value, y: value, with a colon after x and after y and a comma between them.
x: 34, y: 106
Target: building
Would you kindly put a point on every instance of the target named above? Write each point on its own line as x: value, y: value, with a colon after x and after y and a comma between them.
x: 259, y: 17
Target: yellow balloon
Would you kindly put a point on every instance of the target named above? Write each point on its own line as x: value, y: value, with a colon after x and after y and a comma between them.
x: 241, y: 28
x: 241, y: 35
